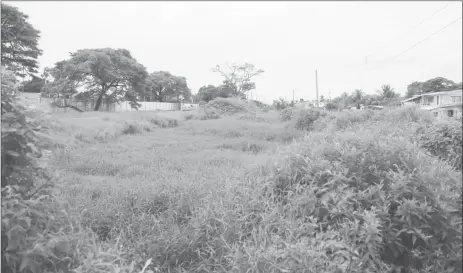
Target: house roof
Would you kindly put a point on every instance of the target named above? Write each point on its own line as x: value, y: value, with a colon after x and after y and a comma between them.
x: 450, y: 92
x: 412, y: 98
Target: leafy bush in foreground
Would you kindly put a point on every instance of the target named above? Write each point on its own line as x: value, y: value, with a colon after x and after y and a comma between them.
x: 307, y: 118
x: 385, y: 203
x: 37, y: 235
x: 286, y: 114
x: 443, y: 139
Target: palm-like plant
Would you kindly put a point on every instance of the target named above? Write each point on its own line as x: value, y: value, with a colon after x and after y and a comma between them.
x: 386, y: 91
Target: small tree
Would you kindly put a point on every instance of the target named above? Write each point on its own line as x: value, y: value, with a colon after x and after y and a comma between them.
x: 386, y: 92
x: 357, y: 95
x: 104, y: 72
x: 238, y: 79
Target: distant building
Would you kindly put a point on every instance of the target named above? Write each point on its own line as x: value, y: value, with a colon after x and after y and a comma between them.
x: 441, y: 104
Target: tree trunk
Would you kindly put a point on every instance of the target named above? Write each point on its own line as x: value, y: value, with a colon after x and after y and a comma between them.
x: 100, y: 97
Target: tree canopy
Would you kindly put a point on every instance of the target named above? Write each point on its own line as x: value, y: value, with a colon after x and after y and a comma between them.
x: 238, y: 79
x: 103, y: 72
x: 437, y: 84
x: 164, y: 87
x: 19, y: 42
x: 210, y: 92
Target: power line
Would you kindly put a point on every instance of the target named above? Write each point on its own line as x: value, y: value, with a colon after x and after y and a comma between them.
x: 403, y: 33
x: 430, y: 36
x: 416, y: 26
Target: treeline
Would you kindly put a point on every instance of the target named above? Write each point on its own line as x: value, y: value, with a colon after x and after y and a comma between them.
x: 104, y: 73
x: 385, y: 96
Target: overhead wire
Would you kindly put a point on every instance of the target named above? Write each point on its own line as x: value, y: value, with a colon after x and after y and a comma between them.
x: 401, y: 35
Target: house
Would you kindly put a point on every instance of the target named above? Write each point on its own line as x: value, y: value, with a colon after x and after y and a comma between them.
x: 441, y: 104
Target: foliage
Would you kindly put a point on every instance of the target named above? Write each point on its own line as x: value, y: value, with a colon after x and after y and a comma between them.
x: 286, y: 114
x: 386, y: 92
x: 25, y: 196
x: 432, y: 85
x: 238, y: 79
x: 413, y: 89
x: 210, y: 92
x: 35, y: 85
x: 307, y: 117
x: 164, y: 87
x: 19, y: 151
x: 331, y: 105
x: 230, y: 106
x: 19, y: 42
x: 444, y: 140
x: 280, y: 104
x: 104, y: 72
x: 357, y: 95
x: 381, y: 199
x: 439, y: 84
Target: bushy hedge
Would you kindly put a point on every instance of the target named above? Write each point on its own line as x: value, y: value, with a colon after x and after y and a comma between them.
x: 37, y: 234
x: 383, y: 201
x: 307, y: 117
x: 286, y: 114
x: 443, y: 139
x: 230, y: 106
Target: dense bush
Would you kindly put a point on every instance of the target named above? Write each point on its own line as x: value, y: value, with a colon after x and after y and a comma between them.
x: 252, y: 118
x: 27, y: 208
x: 443, y: 139
x: 230, y: 106
x: 384, y: 202
x: 37, y: 234
x: 286, y: 114
x: 307, y: 117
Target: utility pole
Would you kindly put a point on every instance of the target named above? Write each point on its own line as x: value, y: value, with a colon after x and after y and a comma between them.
x: 316, y: 86
x: 293, y: 95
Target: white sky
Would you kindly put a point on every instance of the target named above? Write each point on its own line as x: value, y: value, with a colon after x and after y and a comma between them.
x: 289, y: 40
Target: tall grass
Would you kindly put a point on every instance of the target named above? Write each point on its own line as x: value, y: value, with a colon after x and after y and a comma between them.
x: 350, y: 192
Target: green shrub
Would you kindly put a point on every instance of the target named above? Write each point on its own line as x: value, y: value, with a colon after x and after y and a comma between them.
x: 164, y: 122
x: 443, y: 139
x: 346, y: 119
x: 209, y: 115
x: 286, y: 114
x: 406, y: 113
x: 252, y: 118
x: 37, y: 235
x: 189, y: 116
x: 231, y: 106
x: 377, y: 195
x: 131, y: 128
x: 307, y: 118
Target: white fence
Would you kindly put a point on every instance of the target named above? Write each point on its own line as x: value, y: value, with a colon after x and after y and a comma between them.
x: 35, y: 100
x: 148, y: 106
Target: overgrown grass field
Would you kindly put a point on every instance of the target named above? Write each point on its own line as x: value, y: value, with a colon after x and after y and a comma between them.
x: 252, y: 191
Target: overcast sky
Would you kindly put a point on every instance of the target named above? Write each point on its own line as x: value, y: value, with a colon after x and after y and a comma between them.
x: 289, y: 40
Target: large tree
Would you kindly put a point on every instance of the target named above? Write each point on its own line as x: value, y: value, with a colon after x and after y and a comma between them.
x: 163, y: 86
x: 103, y: 72
x: 19, y: 42
x: 414, y: 89
x: 432, y: 85
x: 210, y: 92
x: 439, y: 84
x: 238, y: 78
